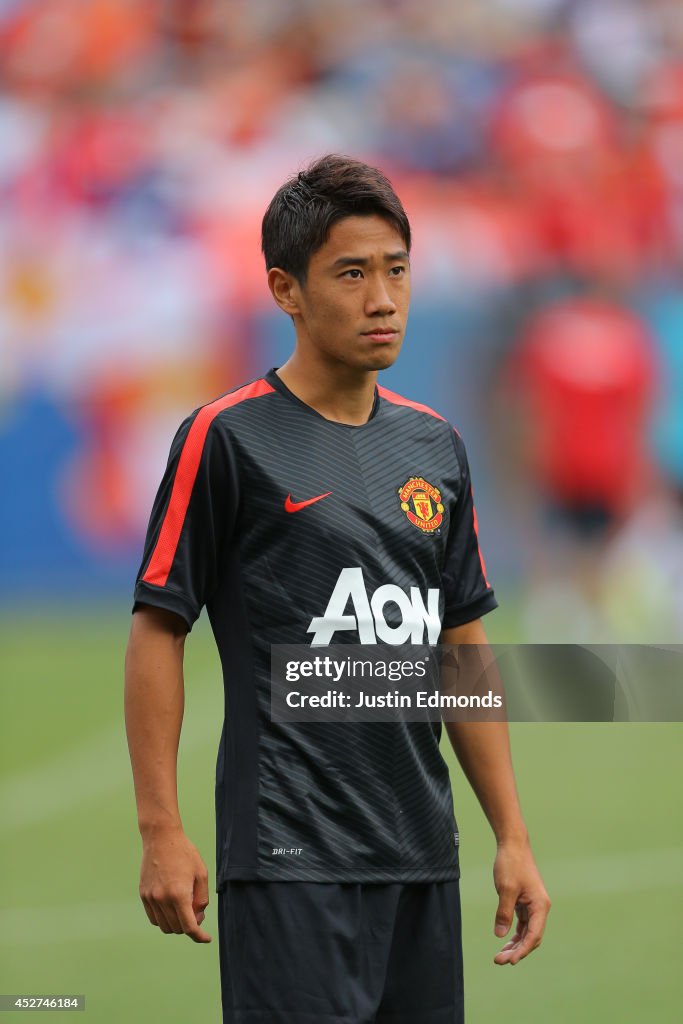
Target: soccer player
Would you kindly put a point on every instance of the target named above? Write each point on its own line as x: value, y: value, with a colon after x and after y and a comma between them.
x: 313, y: 506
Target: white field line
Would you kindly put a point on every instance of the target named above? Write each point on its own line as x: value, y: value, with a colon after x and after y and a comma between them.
x: 97, y: 766
x: 604, y: 874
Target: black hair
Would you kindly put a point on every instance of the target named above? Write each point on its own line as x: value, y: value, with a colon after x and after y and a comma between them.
x: 302, y: 211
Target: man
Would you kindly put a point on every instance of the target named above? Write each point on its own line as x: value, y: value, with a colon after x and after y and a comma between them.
x: 586, y: 369
x: 288, y: 507
x: 584, y: 372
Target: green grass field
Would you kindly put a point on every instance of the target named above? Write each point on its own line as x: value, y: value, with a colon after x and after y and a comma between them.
x: 602, y: 803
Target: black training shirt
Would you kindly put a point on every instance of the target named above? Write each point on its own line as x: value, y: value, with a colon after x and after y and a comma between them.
x: 294, y: 529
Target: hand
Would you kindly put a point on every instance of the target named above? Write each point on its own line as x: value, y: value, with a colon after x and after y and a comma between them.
x: 520, y: 889
x: 174, y: 884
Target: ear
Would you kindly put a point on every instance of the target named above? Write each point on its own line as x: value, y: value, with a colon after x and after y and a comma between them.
x: 285, y: 290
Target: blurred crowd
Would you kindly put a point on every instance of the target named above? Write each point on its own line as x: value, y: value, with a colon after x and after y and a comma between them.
x: 538, y: 147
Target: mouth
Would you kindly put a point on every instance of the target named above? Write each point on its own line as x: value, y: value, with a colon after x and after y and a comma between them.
x: 382, y: 335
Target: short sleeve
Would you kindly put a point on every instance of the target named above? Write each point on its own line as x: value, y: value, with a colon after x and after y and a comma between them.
x: 468, y: 593
x: 192, y: 520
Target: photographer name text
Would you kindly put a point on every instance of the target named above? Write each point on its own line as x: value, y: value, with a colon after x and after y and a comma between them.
x: 392, y: 699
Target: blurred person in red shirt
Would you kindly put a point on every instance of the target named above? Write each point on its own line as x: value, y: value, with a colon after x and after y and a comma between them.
x: 585, y: 372
x: 587, y: 369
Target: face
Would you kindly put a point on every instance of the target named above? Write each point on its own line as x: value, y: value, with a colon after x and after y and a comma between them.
x: 353, y: 307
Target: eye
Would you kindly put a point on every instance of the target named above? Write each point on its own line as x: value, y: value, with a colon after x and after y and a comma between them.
x: 401, y: 270
x: 354, y: 271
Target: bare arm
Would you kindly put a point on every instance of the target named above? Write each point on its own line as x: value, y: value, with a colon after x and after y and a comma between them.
x: 173, y: 876
x: 483, y: 750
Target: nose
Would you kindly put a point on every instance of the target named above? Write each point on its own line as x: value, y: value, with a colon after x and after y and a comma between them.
x: 378, y: 301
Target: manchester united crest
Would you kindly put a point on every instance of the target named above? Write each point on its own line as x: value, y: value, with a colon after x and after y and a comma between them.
x: 421, y: 502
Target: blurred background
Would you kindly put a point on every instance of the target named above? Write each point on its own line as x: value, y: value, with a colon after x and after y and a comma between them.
x: 538, y: 148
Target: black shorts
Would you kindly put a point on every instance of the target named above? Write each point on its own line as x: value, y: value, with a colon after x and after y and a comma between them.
x: 340, y: 953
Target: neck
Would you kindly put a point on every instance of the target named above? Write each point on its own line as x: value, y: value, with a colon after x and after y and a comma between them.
x: 338, y: 392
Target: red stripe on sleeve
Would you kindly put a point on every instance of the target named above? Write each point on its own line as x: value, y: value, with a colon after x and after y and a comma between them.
x: 188, y: 464
x: 476, y: 531
x: 395, y: 399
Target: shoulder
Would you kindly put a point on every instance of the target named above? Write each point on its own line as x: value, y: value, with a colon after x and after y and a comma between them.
x: 408, y: 404
x: 253, y: 389
x: 441, y: 435
x: 201, y: 419
x: 208, y: 427
x: 428, y: 416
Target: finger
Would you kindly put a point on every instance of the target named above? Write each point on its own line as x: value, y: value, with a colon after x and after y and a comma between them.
x: 189, y: 922
x: 506, y: 905
x: 503, y: 956
x: 521, y: 949
x: 200, y: 896
x: 161, y: 917
x: 522, y: 912
x: 528, y: 939
x: 531, y: 939
x: 508, y: 951
x: 149, y: 912
x: 171, y: 916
